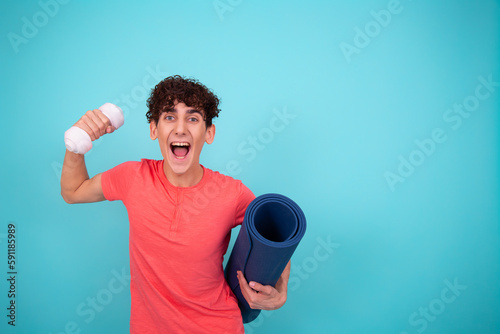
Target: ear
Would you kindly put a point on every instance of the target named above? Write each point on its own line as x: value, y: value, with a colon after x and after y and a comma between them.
x: 210, y: 134
x: 153, y: 130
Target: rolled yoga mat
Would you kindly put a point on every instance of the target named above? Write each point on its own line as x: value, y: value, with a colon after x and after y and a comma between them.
x: 272, y: 228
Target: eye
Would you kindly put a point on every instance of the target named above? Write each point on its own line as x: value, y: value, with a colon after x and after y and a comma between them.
x: 169, y: 117
x: 193, y: 119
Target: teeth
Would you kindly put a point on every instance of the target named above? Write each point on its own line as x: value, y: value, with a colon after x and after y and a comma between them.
x: 180, y: 144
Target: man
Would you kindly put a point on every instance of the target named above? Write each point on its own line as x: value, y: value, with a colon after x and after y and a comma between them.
x: 180, y: 216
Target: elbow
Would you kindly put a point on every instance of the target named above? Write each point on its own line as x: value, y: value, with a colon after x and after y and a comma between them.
x: 67, y: 197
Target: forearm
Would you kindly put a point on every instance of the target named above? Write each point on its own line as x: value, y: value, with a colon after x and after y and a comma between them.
x: 282, y: 284
x: 76, y: 187
x: 74, y: 173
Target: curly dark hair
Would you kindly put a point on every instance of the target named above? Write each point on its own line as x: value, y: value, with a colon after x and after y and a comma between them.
x: 187, y: 90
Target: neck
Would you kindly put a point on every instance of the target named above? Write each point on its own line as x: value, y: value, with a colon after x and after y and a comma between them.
x: 188, y: 179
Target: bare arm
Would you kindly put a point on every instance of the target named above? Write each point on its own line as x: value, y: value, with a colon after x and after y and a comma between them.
x: 76, y: 186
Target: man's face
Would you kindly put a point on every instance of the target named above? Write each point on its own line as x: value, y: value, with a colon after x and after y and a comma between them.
x: 181, y: 133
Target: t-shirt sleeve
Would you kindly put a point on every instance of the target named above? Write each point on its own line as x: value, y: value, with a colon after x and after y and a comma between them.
x: 117, y: 181
x: 245, y: 197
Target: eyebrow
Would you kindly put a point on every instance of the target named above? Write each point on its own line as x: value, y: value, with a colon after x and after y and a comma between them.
x: 190, y: 111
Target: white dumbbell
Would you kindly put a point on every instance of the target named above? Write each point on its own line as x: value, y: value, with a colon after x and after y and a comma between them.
x: 78, y: 141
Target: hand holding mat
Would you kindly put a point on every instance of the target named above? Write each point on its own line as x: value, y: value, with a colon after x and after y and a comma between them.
x: 272, y: 228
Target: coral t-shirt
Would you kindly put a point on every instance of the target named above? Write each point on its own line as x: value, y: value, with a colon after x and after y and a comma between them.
x: 177, y: 240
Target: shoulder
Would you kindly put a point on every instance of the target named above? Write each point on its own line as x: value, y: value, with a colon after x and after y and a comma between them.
x: 130, y: 168
x: 143, y: 165
x: 122, y: 168
x: 118, y: 181
x: 214, y: 177
x: 149, y: 164
x: 228, y: 184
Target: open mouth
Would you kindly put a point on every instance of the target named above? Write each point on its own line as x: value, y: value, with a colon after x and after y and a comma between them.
x: 180, y: 149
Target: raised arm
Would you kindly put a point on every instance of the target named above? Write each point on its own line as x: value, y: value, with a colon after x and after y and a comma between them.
x: 76, y: 186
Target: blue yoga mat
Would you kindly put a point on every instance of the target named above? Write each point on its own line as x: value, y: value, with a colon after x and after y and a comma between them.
x: 272, y: 228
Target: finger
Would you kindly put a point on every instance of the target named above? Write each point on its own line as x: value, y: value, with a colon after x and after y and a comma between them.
x: 246, y: 291
x: 85, y: 124
x: 92, y: 123
x: 88, y: 123
x: 266, y: 289
x: 104, y: 119
x: 101, y: 121
x: 242, y: 280
x: 110, y: 129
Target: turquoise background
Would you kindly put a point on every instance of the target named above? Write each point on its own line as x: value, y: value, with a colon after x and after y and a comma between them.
x: 392, y: 251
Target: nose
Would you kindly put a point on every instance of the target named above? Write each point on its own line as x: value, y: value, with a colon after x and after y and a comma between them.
x: 180, y: 127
